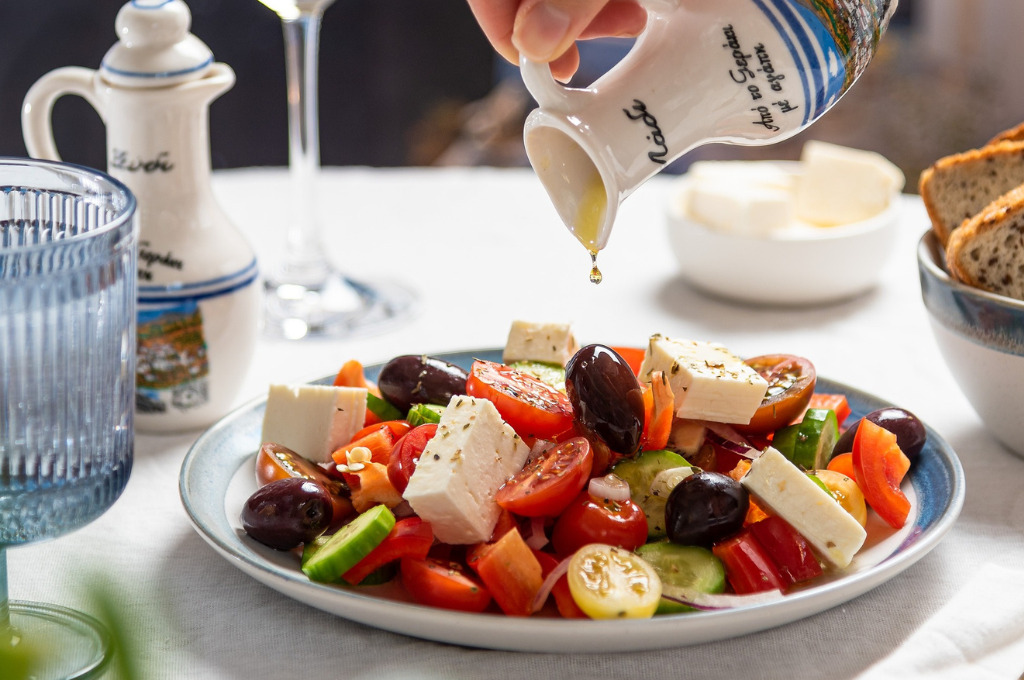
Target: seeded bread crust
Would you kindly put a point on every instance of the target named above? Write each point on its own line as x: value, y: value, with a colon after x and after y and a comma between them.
x: 957, y: 187
x: 987, y: 251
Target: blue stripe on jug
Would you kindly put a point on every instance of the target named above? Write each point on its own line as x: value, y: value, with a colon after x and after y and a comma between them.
x: 199, y: 290
x: 822, y: 72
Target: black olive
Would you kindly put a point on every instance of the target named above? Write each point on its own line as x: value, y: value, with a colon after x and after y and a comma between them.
x: 418, y: 379
x: 606, y: 398
x: 704, y: 508
x: 287, y: 513
x: 909, y: 431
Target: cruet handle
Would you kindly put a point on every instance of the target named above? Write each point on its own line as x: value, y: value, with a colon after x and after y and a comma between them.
x: 37, y: 110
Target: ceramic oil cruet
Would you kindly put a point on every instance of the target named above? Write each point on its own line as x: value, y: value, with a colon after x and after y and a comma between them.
x: 198, y: 299
x: 731, y: 71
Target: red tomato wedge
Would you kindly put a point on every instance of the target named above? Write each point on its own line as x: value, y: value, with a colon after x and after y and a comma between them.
x: 406, y: 452
x: 443, y: 583
x: 634, y: 356
x: 533, y: 408
x: 547, y: 484
x: 789, y: 550
x: 598, y: 520
x: 410, y: 537
x: 747, y: 565
x: 791, y: 381
x: 275, y: 462
x: 880, y: 466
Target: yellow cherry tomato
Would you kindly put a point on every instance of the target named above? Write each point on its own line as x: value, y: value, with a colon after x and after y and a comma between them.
x: 846, y: 492
x: 611, y: 583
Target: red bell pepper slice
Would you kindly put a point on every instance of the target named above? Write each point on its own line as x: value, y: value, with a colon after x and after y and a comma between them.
x: 835, y: 402
x: 880, y: 466
x: 748, y: 567
x: 410, y: 537
x: 510, y: 571
x: 789, y: 550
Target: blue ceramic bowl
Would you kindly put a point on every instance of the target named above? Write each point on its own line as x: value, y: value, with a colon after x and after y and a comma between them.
x: 981, y: 337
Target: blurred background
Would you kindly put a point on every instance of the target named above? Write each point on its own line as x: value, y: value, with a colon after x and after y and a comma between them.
x: 414, y: 82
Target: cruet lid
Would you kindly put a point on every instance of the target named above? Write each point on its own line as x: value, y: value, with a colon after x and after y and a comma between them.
x: 155, y: 48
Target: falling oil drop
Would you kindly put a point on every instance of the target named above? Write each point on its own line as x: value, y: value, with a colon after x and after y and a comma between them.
x: 595, y: 273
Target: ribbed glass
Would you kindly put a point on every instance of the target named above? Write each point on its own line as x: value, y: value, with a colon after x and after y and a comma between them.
x: 68, y: 251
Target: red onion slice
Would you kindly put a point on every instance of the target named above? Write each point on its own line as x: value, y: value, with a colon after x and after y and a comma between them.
x: 548, y: 585
x: 537, y: 538
x: 611, y: 486
x: 714, y: 602
x: 730, y: 440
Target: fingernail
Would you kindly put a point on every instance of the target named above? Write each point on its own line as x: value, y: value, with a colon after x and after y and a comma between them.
x: 541, y: 32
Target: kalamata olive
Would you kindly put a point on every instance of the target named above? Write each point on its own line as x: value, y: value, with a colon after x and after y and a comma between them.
x: 606, y: 398
x: 705, y: 507
x: 909, y: 431
x: 418, y: 379
x: 287, y: 513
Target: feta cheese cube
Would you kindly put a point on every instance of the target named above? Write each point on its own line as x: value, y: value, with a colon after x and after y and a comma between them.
x: 461, y: 469
x: 707, y: 380
x: 785, y: 490
x: 841, y: 185
x: 552, y: 343
x: 313, y: 420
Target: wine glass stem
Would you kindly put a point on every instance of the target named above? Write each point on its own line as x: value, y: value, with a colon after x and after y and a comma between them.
x: 305, y: 262
x: 6, y: 629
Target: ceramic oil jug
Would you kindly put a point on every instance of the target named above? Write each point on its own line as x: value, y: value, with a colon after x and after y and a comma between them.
x: 198, y: 299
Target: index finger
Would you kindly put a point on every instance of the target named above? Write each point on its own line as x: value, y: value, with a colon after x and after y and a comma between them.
x: 496, y: 19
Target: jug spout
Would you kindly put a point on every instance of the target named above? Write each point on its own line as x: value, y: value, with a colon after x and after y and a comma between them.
x: 584, y: 192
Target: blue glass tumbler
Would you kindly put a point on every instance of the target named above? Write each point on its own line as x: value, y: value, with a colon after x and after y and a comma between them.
x: 68, y: 263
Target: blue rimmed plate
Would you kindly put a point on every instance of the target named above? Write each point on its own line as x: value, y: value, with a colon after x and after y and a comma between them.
x: 217, y: 476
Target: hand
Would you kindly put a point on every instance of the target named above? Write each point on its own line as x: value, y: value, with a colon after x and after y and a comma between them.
x: 547, y: 30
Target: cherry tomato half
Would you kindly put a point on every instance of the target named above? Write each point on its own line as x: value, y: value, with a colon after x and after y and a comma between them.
x: 406, y: 453
x: 791, y: 381
x: 274, y: 462
x: 533, y: 408
x: 445, y: 584
x: 546, y: 485
x: 597, y: 520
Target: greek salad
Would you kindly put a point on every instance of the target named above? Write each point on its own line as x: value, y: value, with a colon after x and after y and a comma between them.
x: 595, y: 482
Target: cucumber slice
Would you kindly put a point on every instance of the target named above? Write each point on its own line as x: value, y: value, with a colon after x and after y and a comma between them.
x: 552, y: 374
x: 382, y: 409
x: 809, y: 443
x: 421, y: 414
x: 351, y: 543
x: 684, y: 566
x: 640, y: 472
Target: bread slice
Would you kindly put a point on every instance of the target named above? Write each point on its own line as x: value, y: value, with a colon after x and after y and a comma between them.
x: 1014, y: 134
x: 987, y: 251
x: 957, y: 187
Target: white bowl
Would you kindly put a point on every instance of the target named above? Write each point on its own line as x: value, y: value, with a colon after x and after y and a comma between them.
x: 794, y: 267
x: 981, y: 338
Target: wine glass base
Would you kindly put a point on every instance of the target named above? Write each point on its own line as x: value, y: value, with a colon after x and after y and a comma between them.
x: 337, y: 307
x: 63, y: 642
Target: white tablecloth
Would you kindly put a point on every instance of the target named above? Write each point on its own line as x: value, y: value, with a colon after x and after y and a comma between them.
x: 482, y: 247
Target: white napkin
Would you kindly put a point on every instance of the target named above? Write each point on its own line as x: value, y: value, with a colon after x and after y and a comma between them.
x: 977, y: 635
